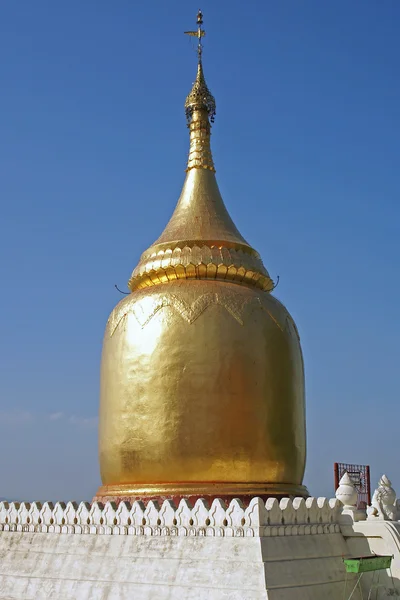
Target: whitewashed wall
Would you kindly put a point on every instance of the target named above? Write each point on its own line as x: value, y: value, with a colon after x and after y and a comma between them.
x: 287, y: 550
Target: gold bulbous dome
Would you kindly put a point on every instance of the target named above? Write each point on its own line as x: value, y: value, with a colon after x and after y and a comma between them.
x: 202, y: 379
x: 202, y: 382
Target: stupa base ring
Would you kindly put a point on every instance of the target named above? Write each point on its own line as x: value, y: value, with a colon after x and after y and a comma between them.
x: 193, y: 490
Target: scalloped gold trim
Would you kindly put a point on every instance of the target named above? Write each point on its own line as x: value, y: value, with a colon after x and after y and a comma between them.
x: 200, y: 263
x: 200, y: 155
x: 157, y: 276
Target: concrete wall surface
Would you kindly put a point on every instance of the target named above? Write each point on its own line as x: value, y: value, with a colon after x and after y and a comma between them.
x: 36, y: 566
x: 287, y: 550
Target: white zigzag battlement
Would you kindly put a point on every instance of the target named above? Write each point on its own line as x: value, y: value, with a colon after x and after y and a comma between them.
x: 271, y: 518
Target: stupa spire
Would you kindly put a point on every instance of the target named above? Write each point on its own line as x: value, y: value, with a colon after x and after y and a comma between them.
x: 200, y: 110
x: 200, y: 241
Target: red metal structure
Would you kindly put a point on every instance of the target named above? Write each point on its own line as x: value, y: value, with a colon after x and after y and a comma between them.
x: 359, y: 475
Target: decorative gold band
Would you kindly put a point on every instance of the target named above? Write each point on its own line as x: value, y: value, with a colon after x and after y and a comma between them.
x: 200, y: 262
x: 200, y: 156
x: 217, y: 489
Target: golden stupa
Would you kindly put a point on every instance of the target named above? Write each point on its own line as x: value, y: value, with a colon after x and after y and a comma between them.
x: 202, y: 379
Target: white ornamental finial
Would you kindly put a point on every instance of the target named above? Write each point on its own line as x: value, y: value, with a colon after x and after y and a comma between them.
x: 346, y: 492
x: 383, y: 505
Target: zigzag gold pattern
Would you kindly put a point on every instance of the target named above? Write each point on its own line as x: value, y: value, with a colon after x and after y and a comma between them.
x: 145, y: 309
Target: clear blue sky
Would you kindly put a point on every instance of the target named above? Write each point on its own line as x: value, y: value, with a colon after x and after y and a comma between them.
x: 92, y: 157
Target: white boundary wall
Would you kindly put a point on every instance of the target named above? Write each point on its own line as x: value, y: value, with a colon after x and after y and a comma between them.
x: 287, y: 550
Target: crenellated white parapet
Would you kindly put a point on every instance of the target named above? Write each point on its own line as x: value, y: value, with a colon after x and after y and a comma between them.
x: 260, y: 519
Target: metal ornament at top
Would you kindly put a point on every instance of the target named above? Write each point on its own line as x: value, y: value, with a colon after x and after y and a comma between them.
x: 200, y: 97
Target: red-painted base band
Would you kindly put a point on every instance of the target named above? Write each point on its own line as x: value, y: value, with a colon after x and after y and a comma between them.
x: 245, y: 499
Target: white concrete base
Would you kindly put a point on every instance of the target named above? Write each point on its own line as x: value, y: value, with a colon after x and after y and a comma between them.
x: 36, y: 566
x: 290, y: 550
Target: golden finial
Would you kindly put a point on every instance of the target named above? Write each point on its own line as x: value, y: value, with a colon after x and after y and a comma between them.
x: 199, y: 33
x: 200, y: 97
